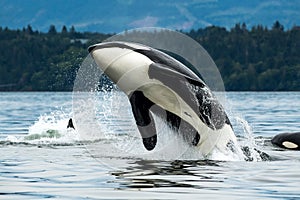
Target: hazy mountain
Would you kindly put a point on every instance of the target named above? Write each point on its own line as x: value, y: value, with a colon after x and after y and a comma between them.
x: 119, y: 15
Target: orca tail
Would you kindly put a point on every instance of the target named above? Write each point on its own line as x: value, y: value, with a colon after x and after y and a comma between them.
x: 70, y: 124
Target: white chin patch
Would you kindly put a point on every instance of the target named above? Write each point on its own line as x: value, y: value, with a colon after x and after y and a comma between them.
x: 290, y: 145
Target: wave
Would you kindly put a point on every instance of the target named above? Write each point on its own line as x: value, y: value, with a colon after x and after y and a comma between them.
x: 119, y: 137
x: 48, y: 129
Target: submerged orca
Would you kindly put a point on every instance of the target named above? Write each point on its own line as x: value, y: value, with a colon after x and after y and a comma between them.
x: 287, y: 140
x: 156, y: 83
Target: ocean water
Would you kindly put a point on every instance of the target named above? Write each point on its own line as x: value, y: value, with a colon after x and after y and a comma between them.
x: 103, y: 158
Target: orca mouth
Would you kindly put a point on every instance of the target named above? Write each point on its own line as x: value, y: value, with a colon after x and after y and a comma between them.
x: 122, y: 45
x: 91, y: 48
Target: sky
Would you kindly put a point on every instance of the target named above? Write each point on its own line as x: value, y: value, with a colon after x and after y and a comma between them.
x: 112, y: 16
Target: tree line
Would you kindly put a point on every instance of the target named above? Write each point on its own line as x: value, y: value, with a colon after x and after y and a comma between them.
x: 249, y: 59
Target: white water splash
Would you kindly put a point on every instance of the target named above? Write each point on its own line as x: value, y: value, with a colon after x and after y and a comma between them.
x: 117, y: 127
x: 48, y: 129
x: 248, y: 143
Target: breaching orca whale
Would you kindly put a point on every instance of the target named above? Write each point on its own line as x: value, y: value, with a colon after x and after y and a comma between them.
x: 156, y: 83
x: 287, y: 140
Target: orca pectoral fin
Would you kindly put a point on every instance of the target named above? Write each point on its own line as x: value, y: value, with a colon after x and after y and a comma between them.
x: 196, y: 139
x: 148, y: 142
x: 191, y: 136
x: 144, y: 120
x: 173, y: 120
x: 189, y: 133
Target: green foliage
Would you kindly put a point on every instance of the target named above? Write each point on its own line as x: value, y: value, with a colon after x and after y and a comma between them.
x: 254, y: 59
x: 34, y: 61
x: 258, y: 59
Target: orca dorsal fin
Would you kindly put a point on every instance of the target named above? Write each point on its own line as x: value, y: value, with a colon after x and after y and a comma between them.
x: 70, y: 124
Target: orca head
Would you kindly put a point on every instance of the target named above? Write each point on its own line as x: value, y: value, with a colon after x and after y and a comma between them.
x: 122, y: 64
x: 287, y: 140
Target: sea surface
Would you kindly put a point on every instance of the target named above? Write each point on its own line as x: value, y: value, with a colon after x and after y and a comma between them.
x: 103, y: 158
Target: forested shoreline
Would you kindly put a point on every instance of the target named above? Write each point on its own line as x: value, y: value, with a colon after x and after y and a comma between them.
x: 249, y: 59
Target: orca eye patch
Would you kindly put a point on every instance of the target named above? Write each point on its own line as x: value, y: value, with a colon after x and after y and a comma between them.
x: 290, y: 145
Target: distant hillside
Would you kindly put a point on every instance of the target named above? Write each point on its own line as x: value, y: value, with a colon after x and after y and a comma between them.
x: 255, y: 59
x: 108, y: 16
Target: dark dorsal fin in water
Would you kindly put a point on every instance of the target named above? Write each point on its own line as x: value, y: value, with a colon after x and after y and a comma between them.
x: 70, y: 124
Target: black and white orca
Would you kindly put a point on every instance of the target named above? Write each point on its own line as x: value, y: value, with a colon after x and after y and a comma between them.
x: 287, y: 140
x: 156, y: 83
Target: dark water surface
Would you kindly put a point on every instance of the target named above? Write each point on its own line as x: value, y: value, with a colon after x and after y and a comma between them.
x: 60, y: 164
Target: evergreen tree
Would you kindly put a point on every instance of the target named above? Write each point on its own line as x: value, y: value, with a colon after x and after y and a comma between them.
x: 52, y: 30
x: 64, y: 30
x: 248, y: 59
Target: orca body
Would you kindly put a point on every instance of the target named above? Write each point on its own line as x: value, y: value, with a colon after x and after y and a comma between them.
x: 287, y: 140
x: 156, y: 83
